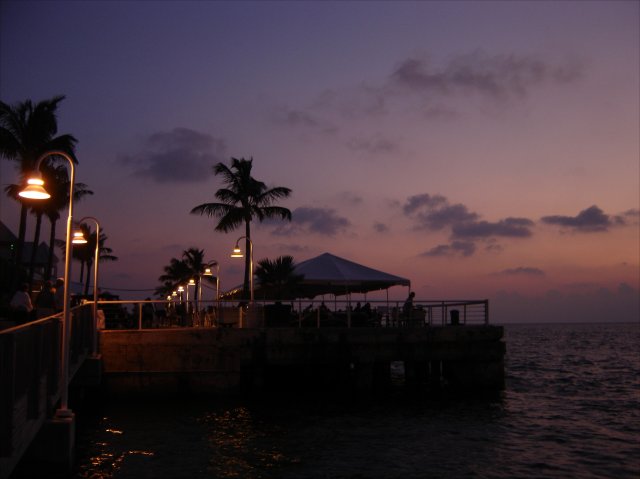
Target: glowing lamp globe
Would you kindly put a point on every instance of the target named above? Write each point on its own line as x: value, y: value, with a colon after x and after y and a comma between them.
x: 34, y: 190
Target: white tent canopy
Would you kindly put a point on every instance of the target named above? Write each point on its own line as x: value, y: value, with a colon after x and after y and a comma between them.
x: 329, y: 274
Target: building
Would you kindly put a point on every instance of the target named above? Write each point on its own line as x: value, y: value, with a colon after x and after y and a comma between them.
x: 8, y: 243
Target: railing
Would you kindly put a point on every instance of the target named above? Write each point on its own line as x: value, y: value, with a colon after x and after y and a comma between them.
x: 30, y: 377
x: 150, y: 314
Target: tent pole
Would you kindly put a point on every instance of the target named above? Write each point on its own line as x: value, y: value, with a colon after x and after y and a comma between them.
x: 388, y: 312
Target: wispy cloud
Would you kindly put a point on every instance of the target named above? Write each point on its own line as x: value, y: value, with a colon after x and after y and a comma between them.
x: 631, y: 216
x: 462, y: 248
x: 500, y: 77
x: 521, y: 271
x: 350, y: 198
x: 181, y: 155
x: 323, y: 221
x: 590, y: 220
x: 301, y: 118
x: 291, y: 248
x: 433, y: 90
x: 509, y: 227
x: 380, y: 228
x: 374, y: 145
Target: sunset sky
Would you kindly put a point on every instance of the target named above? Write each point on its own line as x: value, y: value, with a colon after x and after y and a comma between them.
x: 479, y: 149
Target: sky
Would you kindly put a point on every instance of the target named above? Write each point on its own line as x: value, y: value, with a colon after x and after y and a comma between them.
x: 479, y: 149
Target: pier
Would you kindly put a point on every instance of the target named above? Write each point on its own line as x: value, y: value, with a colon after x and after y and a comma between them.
x: 226, y: 360
x: 237, y: 351
x: 31, y: 388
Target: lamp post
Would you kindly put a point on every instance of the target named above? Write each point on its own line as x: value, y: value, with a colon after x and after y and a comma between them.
x: 181, y: 290
x: 35, y: 190
x: 207, y: 272
x: 96, y: 260
x: 191, y: 282
x: 237, y: 253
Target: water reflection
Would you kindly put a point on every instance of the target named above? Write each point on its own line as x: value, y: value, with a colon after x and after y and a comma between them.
x: 241, y: 445
x: 571, y: 409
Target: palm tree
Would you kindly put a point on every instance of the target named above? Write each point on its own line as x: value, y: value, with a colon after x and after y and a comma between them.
x: 36, y: 208
x: 277, y: 278
x: 241, y: 200
x: 59, y: 191
x: 86, y: 253
x: 27, y: 131
x: 57, y: 180
x: 180, y: 271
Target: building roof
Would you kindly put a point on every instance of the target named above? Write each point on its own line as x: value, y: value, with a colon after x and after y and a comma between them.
x: 7, y: 244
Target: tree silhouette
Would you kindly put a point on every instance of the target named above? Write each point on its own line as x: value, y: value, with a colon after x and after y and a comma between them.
x: 58, y: 188
x: 56, y: 180
x: 242, y: 200
x: 28, y: 130
x: 277, y: 278
x: 85, y: 253
x: 180, y: 271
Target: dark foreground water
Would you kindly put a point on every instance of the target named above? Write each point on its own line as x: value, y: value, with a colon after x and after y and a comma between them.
x: 571, y: 409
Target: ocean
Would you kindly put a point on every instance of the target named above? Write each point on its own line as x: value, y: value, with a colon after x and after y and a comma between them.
x: 571, y: 409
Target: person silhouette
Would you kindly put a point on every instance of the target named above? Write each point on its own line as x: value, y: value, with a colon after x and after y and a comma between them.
x: 408, y: 305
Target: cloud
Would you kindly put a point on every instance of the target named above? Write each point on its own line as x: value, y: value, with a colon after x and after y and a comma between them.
x: 375, y: 145
x: 590, y: 220
x: 304, y: 119
x: 431, y: 91
x: 493, y: 76
x: 415, y: 202
x: 322, y: 221
x: 352, y: 102
x: 380, y: 228
x: 492, y: 246
x: 632, y: 216
x: 434, y: 212
x: 291, y: 248
x: 509, y: 227
x: 521, y: 271
x: 181, y: 155
x: 463, y: 248
x: 351, y: 198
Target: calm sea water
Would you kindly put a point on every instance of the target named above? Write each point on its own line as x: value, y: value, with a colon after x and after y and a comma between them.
x: 571, y: 409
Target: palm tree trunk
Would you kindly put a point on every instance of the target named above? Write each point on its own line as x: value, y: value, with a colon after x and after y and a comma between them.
x: 86, y: 283
x: 195, y: 294
x: 52, y: 240
x: 22, y: 230
x: 34, y: 249
x: 81, y: 280
x: 246, y: 293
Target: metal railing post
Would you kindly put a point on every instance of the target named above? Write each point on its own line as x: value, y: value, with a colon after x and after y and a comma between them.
x: 486, y: 311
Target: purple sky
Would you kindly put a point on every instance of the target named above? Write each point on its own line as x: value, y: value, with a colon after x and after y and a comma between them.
x: 480, y: 149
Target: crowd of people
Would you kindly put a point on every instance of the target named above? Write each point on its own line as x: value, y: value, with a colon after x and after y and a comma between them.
x: 49, y: 301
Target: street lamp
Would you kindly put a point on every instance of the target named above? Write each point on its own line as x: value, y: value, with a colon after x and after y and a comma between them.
x: 35, y: 190
x: 192, y: 282
x: 237, y: 253
x: 96, y: 260
x: 208, y: 272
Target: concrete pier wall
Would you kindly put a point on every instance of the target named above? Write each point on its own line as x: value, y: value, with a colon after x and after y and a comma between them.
x: 226, y: 360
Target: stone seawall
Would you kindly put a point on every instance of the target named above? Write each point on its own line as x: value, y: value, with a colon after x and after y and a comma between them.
x: 226, y: 360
